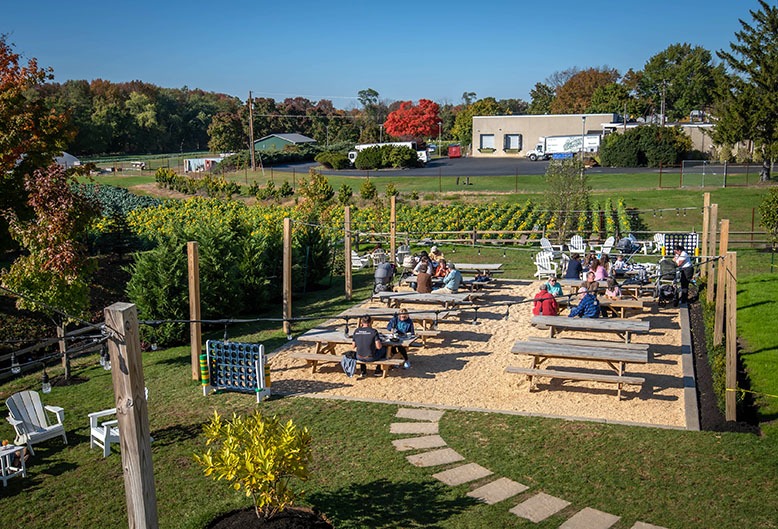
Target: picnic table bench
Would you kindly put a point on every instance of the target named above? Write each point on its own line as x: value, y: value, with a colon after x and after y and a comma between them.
x: 396, y: 299
x: 592, y: 351
x: 429, y: 318
x: 624, y: 328
x: 618, y: 306
x: 327, y: 339
x: 486, y: 268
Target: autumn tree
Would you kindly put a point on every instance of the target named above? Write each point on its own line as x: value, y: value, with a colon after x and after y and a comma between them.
x: 53, y: 270
x: 414, y: 121
x: 31, y: 134
x: 749, y: 107
x: 575, y: 95
x: 567, y: 195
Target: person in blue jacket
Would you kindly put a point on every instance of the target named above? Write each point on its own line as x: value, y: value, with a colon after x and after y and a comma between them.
x: 588, y: 305
x: 402, y: 325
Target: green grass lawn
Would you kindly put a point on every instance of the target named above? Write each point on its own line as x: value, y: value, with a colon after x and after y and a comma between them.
x: 757, y: 299
x: 670, y: 478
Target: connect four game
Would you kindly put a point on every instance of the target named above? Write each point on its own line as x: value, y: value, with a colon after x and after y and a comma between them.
x: 235, y: 366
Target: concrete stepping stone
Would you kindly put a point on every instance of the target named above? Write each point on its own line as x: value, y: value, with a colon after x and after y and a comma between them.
x: 419, y: 443
x: 539, y: 507
x: 498, y: 490
x: 434, y: 458
x: 589, y: 518
x: 644, y: 525
x: 462, y: 474
x: 428, y: 428
x: 419, y: 414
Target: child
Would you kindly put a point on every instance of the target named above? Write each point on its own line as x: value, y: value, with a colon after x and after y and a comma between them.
x: 612, y: 291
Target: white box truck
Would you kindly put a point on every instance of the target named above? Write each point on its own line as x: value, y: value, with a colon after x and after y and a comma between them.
x: 548, y: 146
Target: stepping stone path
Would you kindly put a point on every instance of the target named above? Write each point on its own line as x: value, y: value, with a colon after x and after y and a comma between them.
x: 535, y: 508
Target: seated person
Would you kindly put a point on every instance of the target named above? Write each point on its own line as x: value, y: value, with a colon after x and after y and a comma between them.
x: 423, y: 261
x: 553, y: 286
x: 435, y: 254
x: 588, y: 305
x: 423, y: 281
x: 590, y: 284
x: 620, y: 266
x: 403, y: 326
x: 451, y: 282
x: 441, y: 270
x: 612, y: 290
x: 367, y: 344
x: 574, y: 267
x: 544, y: 303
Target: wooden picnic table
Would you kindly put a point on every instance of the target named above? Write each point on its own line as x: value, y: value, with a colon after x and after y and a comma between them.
x: 437, y: 282
x: 327, y: 340
x: 618, y: 306
x: 429, y: 318
x: 489, y: 268
x: 396, y: 299
x: 624, y: 328
x: 589, y: 351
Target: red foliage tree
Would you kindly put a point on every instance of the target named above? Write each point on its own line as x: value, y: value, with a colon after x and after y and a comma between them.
x: 409, y: 121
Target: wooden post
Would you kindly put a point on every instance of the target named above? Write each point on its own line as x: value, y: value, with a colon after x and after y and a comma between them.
x: 63, y: 347
x: 713, y: 223
x: 718, y: 323
x: 195, y: 327
x: 731, y: 380
x: 287, y: 283
x: 705, y: 232
x: 121, y: 321
x: 347, y: 249
x: 393, y: 229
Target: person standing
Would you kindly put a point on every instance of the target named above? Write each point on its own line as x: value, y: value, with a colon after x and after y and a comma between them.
x: 544, y: 304
x: 367, y: 344
x: 574, y: 267
x: 684, y: 264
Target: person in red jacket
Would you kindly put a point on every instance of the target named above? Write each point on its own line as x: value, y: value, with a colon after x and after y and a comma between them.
x: 544, y: 303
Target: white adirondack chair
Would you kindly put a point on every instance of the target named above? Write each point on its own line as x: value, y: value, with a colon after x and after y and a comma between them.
x: 358, y: 262
x: 29, y: 419
x: 659, y: 242
x: 607, y: 246
x: 378, y: 256
x: 554, y: 250
x: 578, y: 245
x: 545, y: 265
x: 102, y: 434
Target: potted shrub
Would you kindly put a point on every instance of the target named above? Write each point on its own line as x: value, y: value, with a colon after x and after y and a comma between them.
x: 264, y: 458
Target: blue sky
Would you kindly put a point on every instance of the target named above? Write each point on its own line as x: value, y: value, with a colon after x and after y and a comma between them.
x: 331, y: 50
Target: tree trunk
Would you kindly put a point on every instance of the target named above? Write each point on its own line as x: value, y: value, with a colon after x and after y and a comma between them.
x: 63, y: 348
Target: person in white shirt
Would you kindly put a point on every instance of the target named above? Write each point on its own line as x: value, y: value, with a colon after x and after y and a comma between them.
x: 684, y: 264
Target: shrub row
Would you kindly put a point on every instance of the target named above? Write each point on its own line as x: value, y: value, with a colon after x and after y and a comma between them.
x: 208, y: 185
x: 240, y: 250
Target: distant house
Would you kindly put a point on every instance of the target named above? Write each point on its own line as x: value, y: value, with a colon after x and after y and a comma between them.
x: 277, y: 142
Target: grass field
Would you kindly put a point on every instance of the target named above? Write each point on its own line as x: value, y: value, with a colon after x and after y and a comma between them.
x: 671, y: 478
x: 674, y: 479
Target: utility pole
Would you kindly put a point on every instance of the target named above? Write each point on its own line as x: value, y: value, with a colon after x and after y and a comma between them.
x: 664, y: 94
x: 251, y: 132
